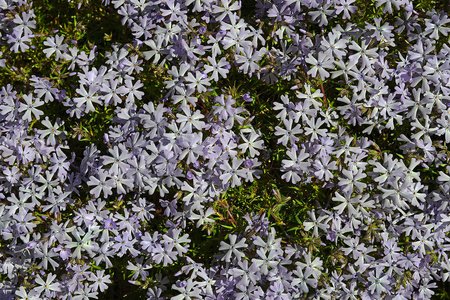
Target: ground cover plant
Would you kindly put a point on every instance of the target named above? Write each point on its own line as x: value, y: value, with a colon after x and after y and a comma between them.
x: 222, y: 149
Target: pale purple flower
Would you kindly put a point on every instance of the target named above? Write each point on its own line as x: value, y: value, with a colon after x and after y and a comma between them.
x: 233, y: 248
x: 318, y: 65
x: 251, y: 144
x: 48, y: 286
x: 198, y: 81
x: 55, y: 45
x: 217, y: 67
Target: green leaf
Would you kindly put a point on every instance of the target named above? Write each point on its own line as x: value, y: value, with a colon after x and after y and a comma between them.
x: 227, y: 227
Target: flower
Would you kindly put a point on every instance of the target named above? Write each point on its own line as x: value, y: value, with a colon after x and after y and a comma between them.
x: 117, y: 160
x: 346, y: 202
x: 363, y: 52
x: 319, y: 65
x: 324, y: 168
x: 198, y: 82
x: 189, y: 119
x: 378, y: 283
x: 12, y: 175
x: 232, y: 248
x: 124, y: 244
x: 165, y: 254
x: 88, y: 98
x: 314, y: 129
x: 56, y: 46
x: 64, y: 252
x: 288, y: 134
x: 24, y: 295
x: 132, y: 65
x: 25, y: 22
x: 217, y: 68
x: 47, y: 286
x: 249, y: 61
x: 225, y: 10
x: 82, y: 243
x: 232, y: 172
x: 424, y: 241
x: 315, y: 223
x: 18, y: 41
x: 187, y: 291
x: 266, y: 262
x: 302, y: 279
x: 351, y: 182
x: 52, y: 131
x: 321, y: 13
x: 111, y: 92
x: 139, y: 269
x: 100, y: 184
x: 45, y: 254
x: 251, y: 144
x: 30, y: 108
x: 202, y: 218
x: 345, y: 8
x: 132, y: 90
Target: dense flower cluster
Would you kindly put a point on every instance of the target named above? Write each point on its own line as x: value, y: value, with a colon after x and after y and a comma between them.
x: 138, y: 197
